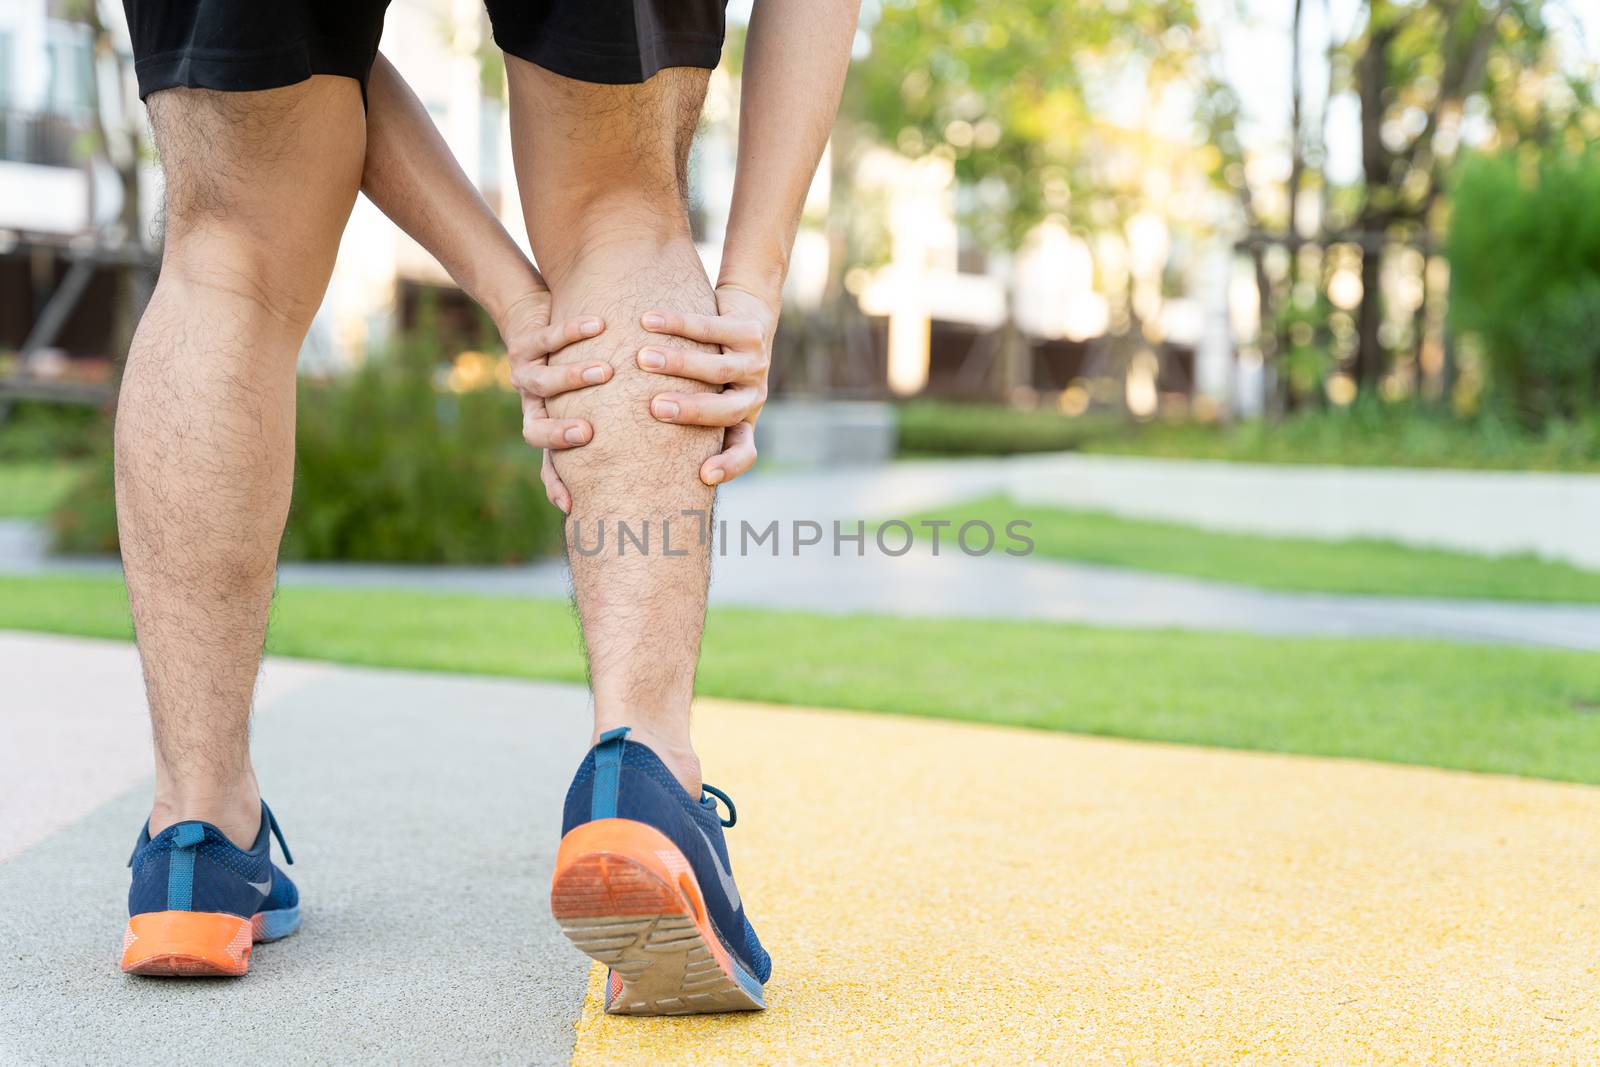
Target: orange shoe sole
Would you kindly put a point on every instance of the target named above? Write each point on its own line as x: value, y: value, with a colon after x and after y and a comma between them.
x: 626, y: 896
x: 187, y: 944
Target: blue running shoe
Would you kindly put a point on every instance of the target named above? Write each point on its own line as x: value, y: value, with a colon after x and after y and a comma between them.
x: 198, y: 902
x: 642, y: 885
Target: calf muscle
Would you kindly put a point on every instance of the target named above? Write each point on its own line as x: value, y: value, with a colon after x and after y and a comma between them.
x: 601, y: 170
x: 642, y: 612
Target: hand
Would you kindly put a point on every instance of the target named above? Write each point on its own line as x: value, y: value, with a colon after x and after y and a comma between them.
x: 530, y: 342
x: 743, y: 326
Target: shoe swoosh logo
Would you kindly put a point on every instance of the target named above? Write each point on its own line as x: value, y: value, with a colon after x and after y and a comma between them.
x: 264, y: 888
x: 728, y: 888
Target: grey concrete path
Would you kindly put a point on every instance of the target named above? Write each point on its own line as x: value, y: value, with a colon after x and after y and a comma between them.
x: 73, y: 731
x: 951, y: 585
x: 1488, y: 512
x: 423, y: 811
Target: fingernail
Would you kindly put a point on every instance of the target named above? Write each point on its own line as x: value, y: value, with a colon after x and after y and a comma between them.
x: 595, y: 375
x: 666, y: 409
x: 590, y: 325
x: 650, y: 359
x: 654, y: 321
x: 715, y: 476
x: 574, y: 435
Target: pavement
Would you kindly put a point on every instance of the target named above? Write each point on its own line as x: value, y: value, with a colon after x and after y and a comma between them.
x: 932, y: 892
x: 949, y: 584
x: 423, y: 811
x: 1547, y: 513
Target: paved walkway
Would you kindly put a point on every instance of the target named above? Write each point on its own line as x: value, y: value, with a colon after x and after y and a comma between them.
x: 423, y: 811
x: 956, y: 586
x: 1488, y: 512
x: 950, y: 585
x: 932, y: 892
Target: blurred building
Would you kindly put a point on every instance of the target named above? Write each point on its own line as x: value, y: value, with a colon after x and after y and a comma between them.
x: 947, y: 300
x: 54, y: 194
x: 936, y: 311
x: 46, y: 102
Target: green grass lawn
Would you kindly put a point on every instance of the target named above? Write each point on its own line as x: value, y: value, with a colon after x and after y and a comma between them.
x: 30, y: 488
x: 1487, y: 708
x: 1301, y: 564
x: 1370, y: 435
x: 1365, y: 435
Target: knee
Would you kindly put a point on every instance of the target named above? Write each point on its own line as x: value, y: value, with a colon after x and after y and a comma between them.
x: 222, y: 242
x: 246, y: 275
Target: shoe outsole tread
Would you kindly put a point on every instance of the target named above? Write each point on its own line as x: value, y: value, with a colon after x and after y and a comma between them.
x: 626, y: 897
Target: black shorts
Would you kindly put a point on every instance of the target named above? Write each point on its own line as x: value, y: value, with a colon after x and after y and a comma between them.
x: 241, y: 45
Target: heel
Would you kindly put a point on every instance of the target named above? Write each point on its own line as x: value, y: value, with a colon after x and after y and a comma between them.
x: 186, y: 943
x: 626, y: 897
x: 621, y: 867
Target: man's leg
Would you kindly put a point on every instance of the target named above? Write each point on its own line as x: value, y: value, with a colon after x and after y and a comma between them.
x: 642, y: 879
x: 258, y: 188
x: 601, y: 172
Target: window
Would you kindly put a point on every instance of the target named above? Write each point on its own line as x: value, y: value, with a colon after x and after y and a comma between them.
x: 71, y: 86
x: 5, y: 69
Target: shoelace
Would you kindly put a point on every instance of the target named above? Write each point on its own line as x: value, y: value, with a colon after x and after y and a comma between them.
x: 272, y: 821
x: 733, y: 814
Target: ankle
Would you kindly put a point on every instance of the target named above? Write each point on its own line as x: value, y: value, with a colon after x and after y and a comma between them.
x: 674, y: 750
x: 235, y: 810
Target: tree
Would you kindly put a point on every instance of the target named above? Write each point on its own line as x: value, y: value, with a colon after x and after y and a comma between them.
x: 1427, y: 77
x: 1012, y: 91
x: 1416, y: 68
x: 1017, y: 95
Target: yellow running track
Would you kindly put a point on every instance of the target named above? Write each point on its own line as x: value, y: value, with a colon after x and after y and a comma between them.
x: 948, y: 893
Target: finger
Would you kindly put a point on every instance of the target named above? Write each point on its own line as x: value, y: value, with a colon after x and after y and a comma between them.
x: 714, y: 368
x: 545, y: 381
x: 555, y: 337
x: 554, y: 488
x: 727, y: 330
x: 737, y: 456
x: 533, y: 408
x: 556, y: 433
x: 704, y: 409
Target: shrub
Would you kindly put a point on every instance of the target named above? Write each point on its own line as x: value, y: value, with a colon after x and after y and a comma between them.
x: 388, y: 468
x: 85, y: 520
x: 934, y: 428
x: 1524, y: 255
x: 1371, y: 433
x: 35, y: 430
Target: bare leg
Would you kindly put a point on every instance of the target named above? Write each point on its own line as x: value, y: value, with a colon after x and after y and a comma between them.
x: 258, y: 188
x: 601, y: 171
